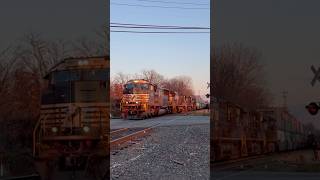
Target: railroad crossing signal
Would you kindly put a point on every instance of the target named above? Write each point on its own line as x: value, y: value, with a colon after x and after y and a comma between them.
x: 313, y: 108
x: 316, y: 75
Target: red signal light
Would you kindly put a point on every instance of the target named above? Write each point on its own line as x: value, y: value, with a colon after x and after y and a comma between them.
x: 313, y: 108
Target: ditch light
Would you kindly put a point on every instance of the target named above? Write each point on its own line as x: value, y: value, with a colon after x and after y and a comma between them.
x: 312, y: 108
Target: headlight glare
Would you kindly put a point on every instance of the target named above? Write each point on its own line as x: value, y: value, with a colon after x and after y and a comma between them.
x: 86, y: 129
x: 54, y: 129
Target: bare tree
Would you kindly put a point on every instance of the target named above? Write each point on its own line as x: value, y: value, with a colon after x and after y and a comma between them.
x: 153, y: 77
x: 103, y: 36
x: 121, y: 78
x: 116, y: 85
x: 238, y: 76
x: 39, y: 55
x: 180, y: 84
x: 98, y: 47
x: 19, y: 102
x: 8, y: 62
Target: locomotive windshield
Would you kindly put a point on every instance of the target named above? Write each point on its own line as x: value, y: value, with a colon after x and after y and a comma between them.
x: 81, y: 85
x: 80, y: 75
x: 136, y: 88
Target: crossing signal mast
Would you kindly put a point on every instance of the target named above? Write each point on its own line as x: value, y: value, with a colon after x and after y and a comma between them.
x: 208, y: 86
x: 284, y: 95
x: 313, y: 107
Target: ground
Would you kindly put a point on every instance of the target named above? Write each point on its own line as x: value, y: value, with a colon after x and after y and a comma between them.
x: 177, y: 148
x: 285, y: 166
x: 168, y: 120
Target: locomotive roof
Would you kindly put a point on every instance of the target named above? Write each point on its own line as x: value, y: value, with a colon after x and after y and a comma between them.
x: 146, y: 81
x: 71, y: 63
x: 138, y: 81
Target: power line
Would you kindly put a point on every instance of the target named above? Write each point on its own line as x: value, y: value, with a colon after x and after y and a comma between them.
x: 152, y: 25
x: 162, y: 32
x: 149, y: 27
x: 165, y: 7
x: 174, y: 2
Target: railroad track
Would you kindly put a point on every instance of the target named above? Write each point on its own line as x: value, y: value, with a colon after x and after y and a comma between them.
x: 26, y: 177
x: 120, y: 137
x: 241, y: 163
x: 238, y: 164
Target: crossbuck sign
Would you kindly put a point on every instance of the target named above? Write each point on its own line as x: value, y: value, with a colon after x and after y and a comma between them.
x: 316, y: 75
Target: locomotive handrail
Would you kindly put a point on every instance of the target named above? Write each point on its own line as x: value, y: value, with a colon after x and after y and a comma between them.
x: 35, y: 133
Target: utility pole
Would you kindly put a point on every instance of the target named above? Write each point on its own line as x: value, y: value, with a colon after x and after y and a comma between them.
x: 284, y: 96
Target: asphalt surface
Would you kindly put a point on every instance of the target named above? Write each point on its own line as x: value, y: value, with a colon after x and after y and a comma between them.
x: 253, y: 175
x: 177, y: 148
x: 167, y: 120
x: 298, y: 165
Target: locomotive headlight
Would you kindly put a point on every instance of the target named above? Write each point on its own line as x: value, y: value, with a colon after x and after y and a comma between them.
x: 54, y: 129
x: 83, y: 62
x: 86, y: 129
x: 137, y: 102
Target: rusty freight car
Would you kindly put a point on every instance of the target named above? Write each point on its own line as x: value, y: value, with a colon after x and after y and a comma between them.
x: 236, y: 132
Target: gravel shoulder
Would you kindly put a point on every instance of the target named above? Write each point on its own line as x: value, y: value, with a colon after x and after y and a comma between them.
x: 170, y: 152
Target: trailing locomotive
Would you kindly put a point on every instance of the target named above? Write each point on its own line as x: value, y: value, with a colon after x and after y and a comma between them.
x: 142, y: 99
x: 73, y: 127
x: 239, y: 133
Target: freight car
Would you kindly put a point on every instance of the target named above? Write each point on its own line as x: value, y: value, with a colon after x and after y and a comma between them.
x: 73, y: 127
x: 236, y: 133
x: 290, y: 133
x: 142, y: 99
x: 239, y: 133
x: 200, y: 103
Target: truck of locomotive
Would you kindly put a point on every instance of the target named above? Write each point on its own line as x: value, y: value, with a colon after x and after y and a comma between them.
x: 237, y: 133
x: 142, y: 99
x: 74, y: 122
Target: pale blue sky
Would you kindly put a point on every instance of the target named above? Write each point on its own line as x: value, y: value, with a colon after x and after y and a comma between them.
x: 169, y: 54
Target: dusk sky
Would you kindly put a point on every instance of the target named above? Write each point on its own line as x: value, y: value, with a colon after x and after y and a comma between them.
x: 286, y: 32
x: 169, y: 54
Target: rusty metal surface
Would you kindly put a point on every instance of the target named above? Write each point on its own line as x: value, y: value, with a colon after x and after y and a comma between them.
x: 118, y: 131
x: 238, y: 133
x: 121, y: 140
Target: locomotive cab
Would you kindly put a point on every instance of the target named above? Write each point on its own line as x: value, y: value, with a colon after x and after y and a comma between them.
x: 141, y: 99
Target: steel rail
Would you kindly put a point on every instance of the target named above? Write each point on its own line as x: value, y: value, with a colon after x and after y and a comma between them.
x: 119, y: 141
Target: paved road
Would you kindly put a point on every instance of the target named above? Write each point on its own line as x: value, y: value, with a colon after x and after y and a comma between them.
x: 252, y: 175
x: 167, y: 120
x: 284, y: 166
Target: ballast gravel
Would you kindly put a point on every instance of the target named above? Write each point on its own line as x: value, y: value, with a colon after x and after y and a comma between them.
x: 170, y: 152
